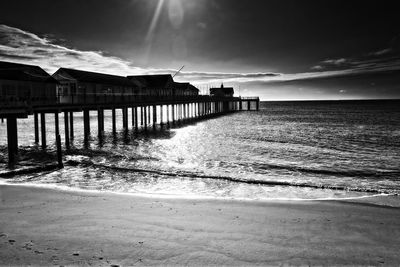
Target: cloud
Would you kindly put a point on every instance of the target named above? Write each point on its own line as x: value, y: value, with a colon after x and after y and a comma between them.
x: 376, y: 61
x: 24, y: 47
x: 317, y: 67
x: 381, y: 52
x: 337, y: 62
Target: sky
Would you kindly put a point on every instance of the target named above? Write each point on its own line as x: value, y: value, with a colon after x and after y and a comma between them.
x: 275, y: 49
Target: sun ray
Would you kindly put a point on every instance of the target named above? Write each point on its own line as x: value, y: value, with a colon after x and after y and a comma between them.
x: 154, y: 21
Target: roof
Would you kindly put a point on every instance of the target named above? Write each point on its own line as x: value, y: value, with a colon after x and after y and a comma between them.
x: 185, y: 86
x: 95, y: 77
x: 225, y: 90
x: 23, y: 72
x: 181, y: 85
x: 161, y: 80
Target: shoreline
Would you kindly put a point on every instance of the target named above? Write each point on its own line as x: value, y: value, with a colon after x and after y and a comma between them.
x: 41, y: 226
x: 379, y: 199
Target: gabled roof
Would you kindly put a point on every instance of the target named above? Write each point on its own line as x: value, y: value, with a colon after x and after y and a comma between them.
x: 161, y: 80
x: 23, y: 72
x: 94, y: 77
x: 185, y: 86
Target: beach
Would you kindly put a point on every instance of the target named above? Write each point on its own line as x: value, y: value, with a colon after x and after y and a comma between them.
x: 43, y: 226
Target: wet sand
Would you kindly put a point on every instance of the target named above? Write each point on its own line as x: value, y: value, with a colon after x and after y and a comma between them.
x: 40, y: 226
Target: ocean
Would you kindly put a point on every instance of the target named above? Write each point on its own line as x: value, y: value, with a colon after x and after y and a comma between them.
x: 287, y: 150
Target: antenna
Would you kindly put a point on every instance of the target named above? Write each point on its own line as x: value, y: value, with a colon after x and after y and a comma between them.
x: 178, y: 71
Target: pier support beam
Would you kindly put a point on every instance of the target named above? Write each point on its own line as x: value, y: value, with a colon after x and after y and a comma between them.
x: 36, y: 122
x: 100, y: 122
x: 114, y: 122
x: 248, y: 105
x: 43, y: 129
x: 148, y: 114
x: 145, y: 118
x: 136, y: 118
x: 173, y: 113
x: 86, y: 125
x: 167, y: 115
x: 71, y: 124
x: 125, y: 118
x: 66, y: 130
x: 58, y: 140
x: 161, y: 115
x: 154, y: 116
x: 141, y: 116
x: 133, y: 116
x: 258, y: 105
x: 12, y: 139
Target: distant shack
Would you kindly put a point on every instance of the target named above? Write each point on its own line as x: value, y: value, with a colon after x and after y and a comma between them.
x: 222, y: 91
x: 163, y: 85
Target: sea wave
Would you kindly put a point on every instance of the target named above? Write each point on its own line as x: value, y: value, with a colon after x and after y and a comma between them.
x: 192, y: 175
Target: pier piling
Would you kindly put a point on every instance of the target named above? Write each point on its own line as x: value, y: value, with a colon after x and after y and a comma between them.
x: 66, y: 130
x: 141, y: 116
x: 71, y: 124
x: 154, y: 116
x: 36, y: 122
x: 100, y: 122
x: 125, y: 118
x: 43, y: 129
x: 136, y: 118
x: 133, y: 116
x: 86, y: 125
x: 114, y: 121
x: 12, y: 139
x: 145, y: 118
x: 58, y: 140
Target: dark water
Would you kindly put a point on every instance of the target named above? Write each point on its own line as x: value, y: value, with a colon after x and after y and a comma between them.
x: 305, y: 150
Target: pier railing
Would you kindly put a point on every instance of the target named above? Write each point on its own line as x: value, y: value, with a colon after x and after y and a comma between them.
x: 93, y: 100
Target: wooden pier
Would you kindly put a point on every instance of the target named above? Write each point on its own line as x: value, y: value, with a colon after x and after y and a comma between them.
x: 29, y: 90
x: 172, y: 111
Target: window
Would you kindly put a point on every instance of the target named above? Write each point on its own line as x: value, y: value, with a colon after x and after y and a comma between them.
x: 73, y: 88
x: 9, y: 89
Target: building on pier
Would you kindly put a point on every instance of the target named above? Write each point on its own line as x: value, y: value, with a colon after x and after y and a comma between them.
x: 154, y: 85
x: 185, y: 89
x: 163, y: 86
x: 24, y: 85
x: 79, y: 87
x: 222, y: 91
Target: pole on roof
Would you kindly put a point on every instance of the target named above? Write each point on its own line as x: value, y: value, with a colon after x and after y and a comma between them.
x: 176, y: 73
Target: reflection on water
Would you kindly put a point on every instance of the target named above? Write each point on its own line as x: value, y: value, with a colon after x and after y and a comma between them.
x: 351, y: 146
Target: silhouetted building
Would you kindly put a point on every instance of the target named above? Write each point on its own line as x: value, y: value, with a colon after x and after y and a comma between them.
x: 155, y: 85
x: 163, y: 85
x: 77, y: 86
x: 222, y: 91
x: 23, y: 85
x: 185, y: 89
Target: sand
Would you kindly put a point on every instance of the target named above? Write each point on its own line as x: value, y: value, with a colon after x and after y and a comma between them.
x: 40, y: 226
